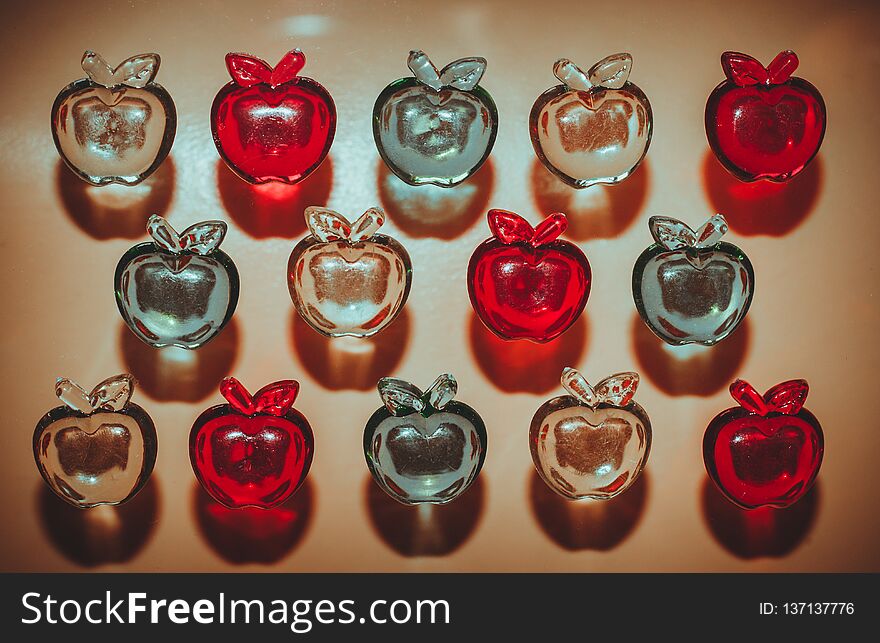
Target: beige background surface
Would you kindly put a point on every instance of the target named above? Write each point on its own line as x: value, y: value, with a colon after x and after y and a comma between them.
x: 815, y: 313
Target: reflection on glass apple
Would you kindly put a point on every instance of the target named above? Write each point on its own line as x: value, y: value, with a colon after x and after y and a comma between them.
x: 97, y: 448
x: 116, y: 125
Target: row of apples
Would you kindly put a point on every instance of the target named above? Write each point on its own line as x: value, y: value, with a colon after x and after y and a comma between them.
x: 270, y: 124
x: 438, y: 126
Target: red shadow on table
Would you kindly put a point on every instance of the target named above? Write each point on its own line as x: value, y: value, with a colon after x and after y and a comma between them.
x: 115, y: 211
x: 596, y: 212
x: 176, y: 374
x: 691, y: 369
x: 522, y: 366
x: 350, y: 363
x: 425, y: 530
x: 588, y: 524
x: 762, y: 207
x: 432, y: 211
x: 758, y: 532
x: 250, y: 534
x: 102, y: 535
x: 273, y: 209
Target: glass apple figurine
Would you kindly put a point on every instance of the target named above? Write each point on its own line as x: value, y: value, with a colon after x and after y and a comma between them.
x: 116, y: 125
x: 762, y: 122
x: 524, y: 282
x: 178, y: 289
x: 690, y: 287
x: 438, y: 126
x: 97, y: 448
x: 424, y: 447
x: 595, y: 127
x: 594, y: 442
x: 344, y: 278
x: 271, y: 124
x: 255, y: 450
x: 767, y: 451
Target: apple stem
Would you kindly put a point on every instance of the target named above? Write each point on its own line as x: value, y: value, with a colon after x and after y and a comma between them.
x: 136, y: 71
x: 615, y: 390
x: 673, y: 234
x: 327, y: 225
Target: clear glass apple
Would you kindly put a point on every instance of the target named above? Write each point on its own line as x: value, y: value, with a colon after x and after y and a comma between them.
x: 596, y: 126
x: 344, y: 278
x: 97, y: 448
x: 593, y: 442
x: 438, y: 126
x: 116, y: 125
x: 690, y: 287
x: 178, y: 289
x: 424, y: 447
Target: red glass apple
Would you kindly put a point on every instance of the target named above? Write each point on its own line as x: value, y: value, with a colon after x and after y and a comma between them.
x: 270, y: 124
x: 767, y: 451
x: 524, y: 282
x: 254, y: 451
x: 763, y: 123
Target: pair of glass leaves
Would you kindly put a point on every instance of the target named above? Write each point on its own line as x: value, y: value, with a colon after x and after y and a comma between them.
x: 346, y: 279
x: 439, y: 126
x: 99, y: 448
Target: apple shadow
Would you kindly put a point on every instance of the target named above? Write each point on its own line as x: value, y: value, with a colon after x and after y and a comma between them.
x: 522, y: 366
x: 596, y: 212
x: 756, y: 533
x: 273, y: 209
x: 588, y: 524
x: 251, y: 534
x: 176, y: 374
x: 350, y: 363
x: 101, y: 535
x: 115, y: 211
x: 762, y: 207
x: 434, y: 211
x: 425, y: 530
x: 692, y: 369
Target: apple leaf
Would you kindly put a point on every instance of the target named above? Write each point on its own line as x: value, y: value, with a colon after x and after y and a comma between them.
x: 276, y: 398
x: 782, y: 67
x: 400, y: 397
x: 327, y: 225
x: 73, y: 395
x: 508, y: 227
x: 748, y: 397
x: 571, y: 75
x: 618, y: 389
x: 163, y: 234
x: 671, y: 233
x: 743, y: 70
x: 578, y: 387
x: 711, y: 232
x: 113, y: 393
x: 237, y: 395
x: 137, y: 71
x: 611, y: 72
x: 463, y: 74
x: 424, y: 70
x: 367, y: 224
x: 288, y: 67
x: 442, y: 391
x: 247, y: 70
x: 204, y: 237
x: 788, y: 397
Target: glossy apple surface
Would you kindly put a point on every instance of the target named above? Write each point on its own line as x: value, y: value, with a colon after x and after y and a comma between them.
x: 101, y: 458
x: 113, y: 136
x: 591, y: 137
x: 175, y: 300
x: 693, y: 297
x: 763, y: 123
x: 349, y: 288
x: 589, y: 453
x: 417, y: 459
x: 434, y: 137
